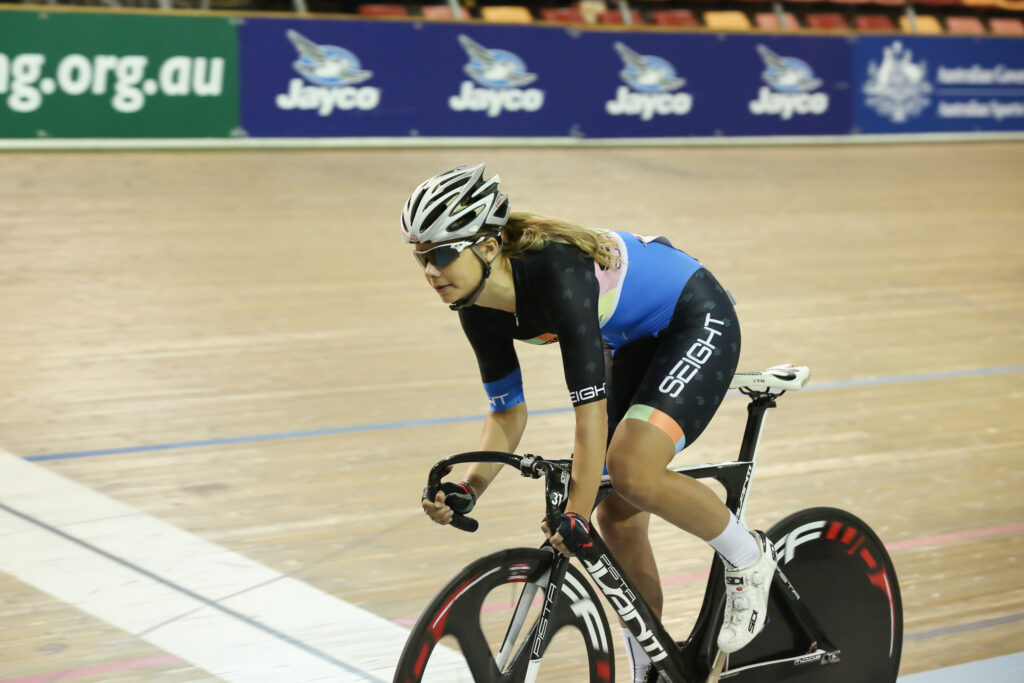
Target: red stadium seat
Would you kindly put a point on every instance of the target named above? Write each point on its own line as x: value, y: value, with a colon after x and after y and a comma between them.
x: 1006, y: 26
x: 770, y: 21
x: 873, y: 22
x: 674, y: 17
x: 568, y: 15
x: 965, y: 26
x: 826, y: 21
x: 441, y: 12
x: 384, y: 10
x: 614, y: 16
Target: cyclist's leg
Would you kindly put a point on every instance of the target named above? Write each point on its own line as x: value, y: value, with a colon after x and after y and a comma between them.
x: 624, y: 530
x: 684, y: 379
x: 624, y: 527
x: 637, y: 461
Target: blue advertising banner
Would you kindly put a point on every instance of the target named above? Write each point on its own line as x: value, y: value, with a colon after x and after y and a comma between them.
x: 913, y: 85
x: 338, y: 78
x: 327, y: 78
x: 643, y: 84
x: 348, y: 78
x: 771, y: 85
x: 497, y: 81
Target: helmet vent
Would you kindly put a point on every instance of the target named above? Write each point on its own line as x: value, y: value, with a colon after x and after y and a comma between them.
x: 463, y: 221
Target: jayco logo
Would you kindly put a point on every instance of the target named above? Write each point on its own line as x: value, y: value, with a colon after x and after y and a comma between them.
x: 788, y: 90
x: 897, y: 88
x: 650, y: 88
x: 500, y: 76
x: 330, y: 75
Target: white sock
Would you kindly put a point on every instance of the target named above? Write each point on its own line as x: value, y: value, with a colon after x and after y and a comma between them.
x: 736, y: 544
x: 638, y: 659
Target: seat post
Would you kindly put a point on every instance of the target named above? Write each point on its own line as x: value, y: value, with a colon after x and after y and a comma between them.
x: 759, y: 404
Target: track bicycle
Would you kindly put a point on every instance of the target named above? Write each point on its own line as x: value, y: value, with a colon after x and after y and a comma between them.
x: 834, y: 612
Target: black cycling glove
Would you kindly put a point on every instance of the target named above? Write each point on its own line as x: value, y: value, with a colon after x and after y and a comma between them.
x: 575, y: 532
x: 459, y: 497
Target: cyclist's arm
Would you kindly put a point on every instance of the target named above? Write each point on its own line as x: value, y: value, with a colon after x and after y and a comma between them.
x: 579, y: 334
x: 502, y: 431
x: 588, y: 456
x: 490, y: 334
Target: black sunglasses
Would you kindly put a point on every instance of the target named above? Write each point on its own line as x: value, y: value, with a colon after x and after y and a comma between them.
x: 443, y: 254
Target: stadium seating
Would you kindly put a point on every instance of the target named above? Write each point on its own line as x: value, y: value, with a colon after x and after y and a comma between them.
x: 614, y: 16
x: 590, y: 9
x: 506, y: 14
x: 1006, y: 26
x: 674, y: 17
x: 373, y: 10
x: 856, y: 15
x: 727, y: 20
x: 826, y: 21
x: 965, y: 26
x: 927, y: 24
x: 568, y: 15
x: 441, y: 12
x: 873, y: 22
x: 770, y: 21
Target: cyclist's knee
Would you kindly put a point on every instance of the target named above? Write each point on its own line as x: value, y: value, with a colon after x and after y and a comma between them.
x: 630, y: 480
x: 618, y: 517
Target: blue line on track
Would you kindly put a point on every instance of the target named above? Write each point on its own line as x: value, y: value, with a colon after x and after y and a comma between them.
x: 825, y: 386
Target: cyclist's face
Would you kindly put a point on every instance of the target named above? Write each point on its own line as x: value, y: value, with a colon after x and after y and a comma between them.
x: 451, y: 268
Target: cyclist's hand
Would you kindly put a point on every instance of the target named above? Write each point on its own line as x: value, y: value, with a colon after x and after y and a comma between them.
x: 450, y: 499
x: 573, y: 533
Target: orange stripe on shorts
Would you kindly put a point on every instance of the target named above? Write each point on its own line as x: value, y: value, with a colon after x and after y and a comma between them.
x: 662, y: 421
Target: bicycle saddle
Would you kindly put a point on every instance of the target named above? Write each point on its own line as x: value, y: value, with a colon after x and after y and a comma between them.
x: 786, y: 376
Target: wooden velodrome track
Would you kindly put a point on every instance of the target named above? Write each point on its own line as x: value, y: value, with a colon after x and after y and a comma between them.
x: 184, y: 298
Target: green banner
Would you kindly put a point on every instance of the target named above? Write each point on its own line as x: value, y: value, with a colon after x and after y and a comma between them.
x: 110, y: 75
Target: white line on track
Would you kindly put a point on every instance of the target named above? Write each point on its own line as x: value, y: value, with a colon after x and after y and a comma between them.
x: 218, y: 610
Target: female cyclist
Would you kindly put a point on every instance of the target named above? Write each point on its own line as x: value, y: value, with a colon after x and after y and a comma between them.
x: 674, y: 343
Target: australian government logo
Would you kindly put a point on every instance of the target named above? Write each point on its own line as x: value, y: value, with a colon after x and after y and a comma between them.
x: 789, y: 88
x: 897, y: 87
x: 498, y: 82
x: 329, y: 79
x: 652, y: 87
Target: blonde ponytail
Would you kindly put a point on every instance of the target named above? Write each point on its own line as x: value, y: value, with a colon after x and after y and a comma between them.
x: 529, y: 232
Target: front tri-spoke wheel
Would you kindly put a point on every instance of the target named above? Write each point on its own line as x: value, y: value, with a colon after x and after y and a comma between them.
x: 479, y: 627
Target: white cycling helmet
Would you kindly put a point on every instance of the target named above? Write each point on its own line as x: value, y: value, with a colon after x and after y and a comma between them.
x: 455, y: 204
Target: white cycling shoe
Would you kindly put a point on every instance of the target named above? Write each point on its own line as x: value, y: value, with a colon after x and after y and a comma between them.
x: 746, y: 598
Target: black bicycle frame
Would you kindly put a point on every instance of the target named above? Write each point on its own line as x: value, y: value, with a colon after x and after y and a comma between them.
x: 691, y: 660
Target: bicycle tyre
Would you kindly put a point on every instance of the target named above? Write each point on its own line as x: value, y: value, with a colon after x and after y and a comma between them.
x: 456, y: 611
x: 844, y: 575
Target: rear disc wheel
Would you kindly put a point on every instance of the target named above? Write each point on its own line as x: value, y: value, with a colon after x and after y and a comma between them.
x: 846, y: 579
